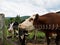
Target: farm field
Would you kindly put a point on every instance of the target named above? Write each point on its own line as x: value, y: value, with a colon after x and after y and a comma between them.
x: 1, y: 43
x: 39, y: 44
x: 41, y: 41
x: 31, y: 43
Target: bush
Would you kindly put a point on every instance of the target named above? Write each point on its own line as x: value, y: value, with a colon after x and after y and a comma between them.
x: 30, y: 36
x: 38, y: 35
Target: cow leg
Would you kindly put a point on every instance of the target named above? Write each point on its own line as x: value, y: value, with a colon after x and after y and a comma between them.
x: 48, y: 40
x: 57, y: 40
x: 14, y: 33
x: 20, y: 40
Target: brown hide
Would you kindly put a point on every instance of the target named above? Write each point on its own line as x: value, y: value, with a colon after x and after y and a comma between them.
x: 52, y: 19
x: 47, y: 19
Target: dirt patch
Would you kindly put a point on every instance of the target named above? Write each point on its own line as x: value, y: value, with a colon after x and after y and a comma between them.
x: 40, y: 44
x: 33, y: 43
x: 1, y: 43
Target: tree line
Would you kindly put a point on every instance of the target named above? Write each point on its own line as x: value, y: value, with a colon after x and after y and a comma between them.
x: 9, y: 20
x: 18, y: 19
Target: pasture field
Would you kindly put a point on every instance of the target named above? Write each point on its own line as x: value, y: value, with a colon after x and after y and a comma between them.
x: 6, y: 41
x: 40, y: 36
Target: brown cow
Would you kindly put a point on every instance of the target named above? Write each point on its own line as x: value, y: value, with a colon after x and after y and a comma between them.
x: 48, y: 23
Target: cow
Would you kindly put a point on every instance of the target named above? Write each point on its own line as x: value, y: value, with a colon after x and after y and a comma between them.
x: 13, y: 29
x: 48, y: 23
x: 19, y: 33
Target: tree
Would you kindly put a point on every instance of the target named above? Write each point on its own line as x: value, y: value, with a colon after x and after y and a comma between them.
x: 17, y: 19
x: 12, y: 19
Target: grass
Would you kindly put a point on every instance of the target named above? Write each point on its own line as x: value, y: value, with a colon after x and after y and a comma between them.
x: 38, y: 35
x: 5, y: 36
x: 30, y: 36
x: 6, y: 33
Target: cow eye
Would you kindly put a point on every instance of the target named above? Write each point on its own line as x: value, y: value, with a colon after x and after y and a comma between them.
x: 30, y: 19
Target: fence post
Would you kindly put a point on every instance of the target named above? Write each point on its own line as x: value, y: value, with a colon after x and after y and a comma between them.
x: 2, y: 28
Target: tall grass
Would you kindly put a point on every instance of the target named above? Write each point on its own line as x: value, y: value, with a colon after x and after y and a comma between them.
x: 38, y: 35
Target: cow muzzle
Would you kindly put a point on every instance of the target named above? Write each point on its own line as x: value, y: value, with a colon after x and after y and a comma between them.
x: 10, y: 31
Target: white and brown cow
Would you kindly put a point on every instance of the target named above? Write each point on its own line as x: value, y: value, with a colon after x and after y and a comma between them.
x: 48, y: 23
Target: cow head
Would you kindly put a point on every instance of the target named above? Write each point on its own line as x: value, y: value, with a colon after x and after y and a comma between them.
x: 10, y: 29
x: 28, y: 23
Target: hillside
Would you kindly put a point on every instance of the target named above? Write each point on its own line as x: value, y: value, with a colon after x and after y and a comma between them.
x: 24, y: 17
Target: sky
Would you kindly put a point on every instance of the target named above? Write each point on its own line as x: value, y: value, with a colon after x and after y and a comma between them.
x: 12, y: 8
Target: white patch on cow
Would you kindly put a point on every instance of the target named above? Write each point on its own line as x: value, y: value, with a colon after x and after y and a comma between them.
x: 17, y: 31
x: 11, y: 27
x: 49, y: 37
x: 54, y: 35
x: 28, y: 25
x: 22, y: 36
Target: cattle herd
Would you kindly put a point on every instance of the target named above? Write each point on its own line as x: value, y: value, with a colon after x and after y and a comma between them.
x: 48, y: 23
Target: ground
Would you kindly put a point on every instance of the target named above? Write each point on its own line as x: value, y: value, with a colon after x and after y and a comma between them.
x: 34, y: 43
x: 1, y: 42
x: 40, y: 44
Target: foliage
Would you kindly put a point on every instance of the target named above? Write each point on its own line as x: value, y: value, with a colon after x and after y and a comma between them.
x: 12, y: 19
x: 38, y: 35
x: 23, y: 18
x: 30, y: 36
x: 8, y: 20
x: 17, y: 19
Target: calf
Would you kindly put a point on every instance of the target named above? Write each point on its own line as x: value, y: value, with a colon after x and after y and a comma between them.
x: 21, y: 33
x: 13, y: 29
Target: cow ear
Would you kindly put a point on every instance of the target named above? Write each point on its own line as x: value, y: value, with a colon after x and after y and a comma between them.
x: 37, y: 16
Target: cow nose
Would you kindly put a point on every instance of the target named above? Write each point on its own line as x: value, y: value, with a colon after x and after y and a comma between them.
x: 9, y: 31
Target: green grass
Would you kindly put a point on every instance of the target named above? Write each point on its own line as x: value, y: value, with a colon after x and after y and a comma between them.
x: 6, y: 33
x: 38, y: 35
x: 5, y: 36
x: 30, y: 36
